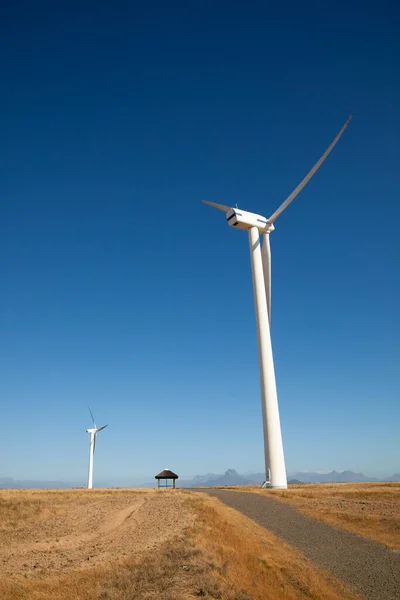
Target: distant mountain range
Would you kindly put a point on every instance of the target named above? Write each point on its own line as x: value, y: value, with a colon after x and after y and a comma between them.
x: 339, y: 477
x: 8, y: 483
x: 229, y: 478
x: 333, y: 477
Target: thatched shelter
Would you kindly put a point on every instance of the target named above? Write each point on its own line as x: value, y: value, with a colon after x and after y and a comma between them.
x: 164, y: 476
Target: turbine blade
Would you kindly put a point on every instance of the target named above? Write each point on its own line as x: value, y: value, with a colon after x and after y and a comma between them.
x: 94, y: 442
x: 307, y: 178
x: 266, y: 263
x: 100, y: 428
x: 91, y: 414
x: 219, y: 206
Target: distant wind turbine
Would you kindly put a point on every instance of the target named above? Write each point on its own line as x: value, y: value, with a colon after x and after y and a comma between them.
x: 261, y: 271
x: 92, y: 446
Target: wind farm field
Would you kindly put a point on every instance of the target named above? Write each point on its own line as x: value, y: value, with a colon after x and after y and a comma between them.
x: 145, y: 544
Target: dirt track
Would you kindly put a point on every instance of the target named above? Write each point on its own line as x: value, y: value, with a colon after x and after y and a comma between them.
x: 103, y: 530
x: 369, y: 568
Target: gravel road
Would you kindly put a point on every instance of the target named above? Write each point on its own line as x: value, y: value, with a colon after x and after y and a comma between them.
x: 370, y: 569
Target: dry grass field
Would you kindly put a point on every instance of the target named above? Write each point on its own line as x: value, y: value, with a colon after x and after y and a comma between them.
x: 371, y: 510
x: 145, y: 545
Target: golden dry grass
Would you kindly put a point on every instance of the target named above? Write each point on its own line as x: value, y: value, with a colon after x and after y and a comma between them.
x: 222, y: 554
x: 21, y: 507
x: 371, y: 510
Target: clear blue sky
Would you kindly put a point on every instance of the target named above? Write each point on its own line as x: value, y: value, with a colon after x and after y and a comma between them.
x: 120, y: 290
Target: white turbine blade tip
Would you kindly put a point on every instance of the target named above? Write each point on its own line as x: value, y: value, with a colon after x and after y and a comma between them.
x: 91, y: 414
x: 309, y: 175
x: 222, y: 207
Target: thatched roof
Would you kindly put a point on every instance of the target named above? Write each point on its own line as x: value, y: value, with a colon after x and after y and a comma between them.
x: 166, y: 474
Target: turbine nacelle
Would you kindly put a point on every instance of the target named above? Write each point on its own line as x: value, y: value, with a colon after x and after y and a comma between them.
x: 242, y: 219
x: 96, y: 429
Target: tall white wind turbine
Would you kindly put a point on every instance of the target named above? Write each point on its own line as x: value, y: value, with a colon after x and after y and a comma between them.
x: 92, y: 446
x: 261, y: 271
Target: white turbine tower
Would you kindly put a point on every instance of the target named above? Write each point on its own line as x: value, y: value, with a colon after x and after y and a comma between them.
x: 261, y: 271
x: 92, y: 446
